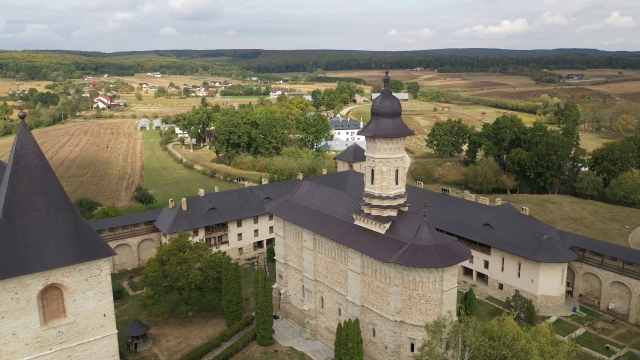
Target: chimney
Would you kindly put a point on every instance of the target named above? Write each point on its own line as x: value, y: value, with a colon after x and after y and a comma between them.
x: 525, y: 210
x: 265, y: 181
x: 498, y: 201
x: 201, y: 192
x: 419, y: 184
x: 184, y: 204
x: 300, y: 176
x: 171, y: 203
x: 216, y: 189
x: 324, y: 171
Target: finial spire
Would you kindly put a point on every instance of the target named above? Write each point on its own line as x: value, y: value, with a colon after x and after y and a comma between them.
x: 424, y: 207
x: 22, y: 115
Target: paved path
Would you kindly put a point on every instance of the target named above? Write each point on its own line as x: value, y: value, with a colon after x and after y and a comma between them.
x: 634, y: 238
x: 287, y: 335
x: 226, y: 344
x: 345, y: 111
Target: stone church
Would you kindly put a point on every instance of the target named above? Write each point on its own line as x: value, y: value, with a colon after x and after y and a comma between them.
x: 342, y: 255
x: 55, y: 270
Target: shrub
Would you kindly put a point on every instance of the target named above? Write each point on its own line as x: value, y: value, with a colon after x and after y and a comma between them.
x: 523, y: 309
x: 425, y: 172
x: 119, y: 292
x: 215, y: 342
x: 188, y: 165
x: 271, y: 253
x: 237, y: 346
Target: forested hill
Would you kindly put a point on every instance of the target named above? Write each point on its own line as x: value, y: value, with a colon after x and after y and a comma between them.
x: 60, y: 64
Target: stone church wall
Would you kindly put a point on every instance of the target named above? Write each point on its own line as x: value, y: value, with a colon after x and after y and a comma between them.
x: 87, y: 332
x: 135, y: 251
x: 321, y: 282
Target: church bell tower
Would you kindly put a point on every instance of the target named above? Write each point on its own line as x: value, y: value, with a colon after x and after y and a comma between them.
x: 387, y: 163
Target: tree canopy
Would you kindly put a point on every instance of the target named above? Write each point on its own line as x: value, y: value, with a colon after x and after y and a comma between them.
x: 182, y: 277
x: 447, y: 138
x: 142, y: 195
x: 263, y: 300
x: 86, y: 206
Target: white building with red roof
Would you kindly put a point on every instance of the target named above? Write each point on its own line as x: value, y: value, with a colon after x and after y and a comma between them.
x: 105, y: 102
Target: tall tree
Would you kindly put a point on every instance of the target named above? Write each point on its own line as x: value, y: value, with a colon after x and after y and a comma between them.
x: 231, y: 291
x: 317, y: 99
x: 338, y: 343
x: 506, y: 133
x: 86, y: 206
x: 612, y: 159
x: 181, y: 277
x: 264, y: 308
x: 313, y: 129
x: 413, y: 88
x: 448, y: 138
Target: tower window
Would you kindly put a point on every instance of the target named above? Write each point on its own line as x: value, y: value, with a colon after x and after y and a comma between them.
x: 397, y: 176
x: 372, y: 176
x: 52, y: 300
x: 412, y: 347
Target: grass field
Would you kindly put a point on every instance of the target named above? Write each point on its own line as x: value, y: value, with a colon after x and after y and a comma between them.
x: 100, y: 159
x: 596, y: 343
x: 253, y: 351
x: 563, y: 328
x: 167, y: 179
x: 7, y: 85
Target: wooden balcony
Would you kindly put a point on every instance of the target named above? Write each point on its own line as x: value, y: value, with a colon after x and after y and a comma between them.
x: 216, y: 230
x: 619, y: 266
x: 119, y: 233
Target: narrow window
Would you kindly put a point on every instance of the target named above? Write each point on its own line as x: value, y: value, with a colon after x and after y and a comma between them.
x: 471, y: 259
x: 255, y: 219
x: 52, y: 300
x: 372, y: 176
x: 240, y: 251
x: 239, y: 236
x: 321, y: 302
x: 302, y: 293
x: 519, y: 268
x: 339, y: 312
x: 373, y: 332
x: 239, y: 223
x: 503, y: 264
x: 270, y: 229
x: 412, y: 347
x: 397, y: 176
x: 500, y: 286
x: 486, y: 264
x: 270, y: 217
x: 255, y: 233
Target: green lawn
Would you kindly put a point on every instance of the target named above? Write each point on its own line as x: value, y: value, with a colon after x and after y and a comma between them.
x: 485, y: 311
x: 583, y: 356
x: 493, y: 300
x: 596, y: 343
x: 246, y: 273
x: 628, y: 336
x: 167, y: 179
x: 631, y: 356
x: 563, y: 328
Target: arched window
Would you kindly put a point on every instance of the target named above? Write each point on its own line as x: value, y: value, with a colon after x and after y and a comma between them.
x: 52, y: 300
x: 397, y: 171
x: 372, y: 176
x: 339, y: 312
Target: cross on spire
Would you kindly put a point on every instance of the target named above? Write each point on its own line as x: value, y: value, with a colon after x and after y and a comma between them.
x: 386, y: 64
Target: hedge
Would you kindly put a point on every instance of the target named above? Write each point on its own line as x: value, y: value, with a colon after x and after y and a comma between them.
x: 237, y: 346
x: 202, y: 350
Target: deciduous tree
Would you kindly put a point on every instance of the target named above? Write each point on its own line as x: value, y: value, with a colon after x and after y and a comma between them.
x: 183, y: 276
x: 396, y: 85
x: 448, y: 138
x: 86, y: 206
x: 313, y: 129
x: 143, y: 196
x: 482, y: 176
x: 588, y: 185
x: 413, y: 88
x: 625, y: 189
x: 612, y: 159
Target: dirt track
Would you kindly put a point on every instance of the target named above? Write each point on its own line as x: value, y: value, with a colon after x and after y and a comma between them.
x: 101, y: 159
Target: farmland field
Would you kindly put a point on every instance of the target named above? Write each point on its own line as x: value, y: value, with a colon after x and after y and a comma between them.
x: 101, y: 159
x: 10, y: 84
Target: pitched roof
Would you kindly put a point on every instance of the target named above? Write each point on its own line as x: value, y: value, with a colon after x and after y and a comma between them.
x: 386, y: 116
x: 3, y: 166
x: 39, y: 227
x: 137, y: 328
x: 353, y: 153
x: 340, y: 123
x: 410, y: 241
x: 123, y: 220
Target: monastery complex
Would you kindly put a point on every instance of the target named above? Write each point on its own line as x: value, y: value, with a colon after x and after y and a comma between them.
x: 361, y: 242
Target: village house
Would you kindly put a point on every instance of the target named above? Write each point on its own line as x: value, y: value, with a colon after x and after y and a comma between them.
x: 276, y: 91
x: 104, y: 102
x: 204, y: 92
x: 575, y: 77
x: 346, y: 129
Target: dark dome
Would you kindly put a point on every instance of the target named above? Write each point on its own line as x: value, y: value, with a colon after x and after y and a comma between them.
x: 386, y: 116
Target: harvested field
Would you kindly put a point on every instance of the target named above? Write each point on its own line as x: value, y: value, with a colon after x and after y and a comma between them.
x: 470, y: 85
x: 10, y: 84
x: 376, y: 75
x: 100, y: 159
x: 575, y: 93
x: 631, y: 96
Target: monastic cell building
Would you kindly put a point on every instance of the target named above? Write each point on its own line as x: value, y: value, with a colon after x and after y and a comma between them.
x: 55, y: 270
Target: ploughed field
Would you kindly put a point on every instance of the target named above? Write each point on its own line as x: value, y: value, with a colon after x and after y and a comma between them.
x: 100, y: 159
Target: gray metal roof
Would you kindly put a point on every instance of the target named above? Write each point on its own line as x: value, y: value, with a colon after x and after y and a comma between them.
x: 411, y: 240
x: 123, y: 220
x: 386, y: 116
x: 340, y: 123
x: 3, y: 166
x: 340, y: 145
x: 353, y: 153
x: 39, y: 227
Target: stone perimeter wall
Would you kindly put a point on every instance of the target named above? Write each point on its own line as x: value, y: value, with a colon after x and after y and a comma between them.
x: 88, y: 331
x: 321, y: 282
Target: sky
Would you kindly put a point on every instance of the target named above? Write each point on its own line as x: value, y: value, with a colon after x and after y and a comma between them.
x: 135, y: 25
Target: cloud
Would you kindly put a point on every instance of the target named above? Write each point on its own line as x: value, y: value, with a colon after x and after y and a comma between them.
x: 167, y: 31
x: 192, y: 9
x: 113, y: 26
x: 613, y: 21
x: 549, y: 18
x: 4, y: 34
x: 619, y: 41
x: 36, y: 30
x: 124, y: 16
x: 147, y: 9
x: 410, y: 36
x: 230, y: 32
x: 506, y: 27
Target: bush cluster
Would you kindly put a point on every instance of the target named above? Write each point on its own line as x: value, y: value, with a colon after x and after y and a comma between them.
x: 215, y: 342
x: 119, y: 291
x: 425, y: 172
x: 287, y: 165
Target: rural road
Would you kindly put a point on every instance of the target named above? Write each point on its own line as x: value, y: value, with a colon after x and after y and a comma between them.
x: 345, y: 111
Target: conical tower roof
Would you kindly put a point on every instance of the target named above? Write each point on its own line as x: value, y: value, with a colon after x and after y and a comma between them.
x: 39, y: 227
x: 386, y: 116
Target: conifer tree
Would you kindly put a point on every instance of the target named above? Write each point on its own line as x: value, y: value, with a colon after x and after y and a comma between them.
x: 264, y: 308
x: 348, y: 347
x: 471, y: 303
x: 231, y: 291
x: 337, y: 344
x: 462, y: 307
x: 359, y: 353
